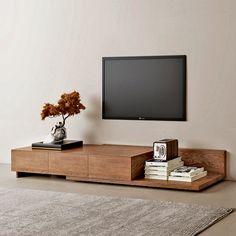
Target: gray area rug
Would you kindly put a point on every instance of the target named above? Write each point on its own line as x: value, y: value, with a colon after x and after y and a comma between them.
x: 34, y: 212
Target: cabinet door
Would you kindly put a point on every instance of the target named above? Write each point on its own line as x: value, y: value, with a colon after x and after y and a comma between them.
x: 109, y: 167
x: 35, y: 161
x: 66, y: 163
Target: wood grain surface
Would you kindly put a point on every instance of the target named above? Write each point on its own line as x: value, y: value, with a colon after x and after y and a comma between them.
x: 109, y: 167
x: 116, y: 164
x: 69, y: 164
x: 24, y: 161
x: 213, y: 161
x: 197, y: 185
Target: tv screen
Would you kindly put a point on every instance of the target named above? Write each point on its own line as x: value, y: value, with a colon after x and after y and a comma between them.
x: 144, y: 88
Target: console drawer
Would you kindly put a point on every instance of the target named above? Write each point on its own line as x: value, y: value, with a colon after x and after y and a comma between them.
x: 72, y: 164
x: 109, y: 167
x: 25, y: 161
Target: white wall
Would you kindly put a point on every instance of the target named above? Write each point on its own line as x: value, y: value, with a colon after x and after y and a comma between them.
x: 55, y: 46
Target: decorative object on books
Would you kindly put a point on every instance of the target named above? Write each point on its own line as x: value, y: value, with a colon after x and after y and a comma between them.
x: 165, y: 149
x: 57, y: 134
x: 37, y: 212
x: 68, y: 105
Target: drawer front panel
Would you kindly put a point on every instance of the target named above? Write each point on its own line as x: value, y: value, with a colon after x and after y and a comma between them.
x: 71, y: 164
x: 25, y: 161
x: 109, y: 167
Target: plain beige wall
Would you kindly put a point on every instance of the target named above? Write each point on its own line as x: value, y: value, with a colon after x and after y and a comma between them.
x: 55, y: 46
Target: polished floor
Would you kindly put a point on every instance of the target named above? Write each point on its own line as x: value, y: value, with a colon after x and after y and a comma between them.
x: 222, y: 194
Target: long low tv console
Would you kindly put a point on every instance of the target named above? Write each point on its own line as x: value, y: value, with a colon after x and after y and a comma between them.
x: 115, y: 164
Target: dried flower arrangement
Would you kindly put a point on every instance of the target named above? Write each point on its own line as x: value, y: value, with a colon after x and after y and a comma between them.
x: 68, y: 105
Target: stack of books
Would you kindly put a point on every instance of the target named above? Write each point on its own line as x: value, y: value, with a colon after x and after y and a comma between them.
x: 187, y: 174
x: 156, y: 169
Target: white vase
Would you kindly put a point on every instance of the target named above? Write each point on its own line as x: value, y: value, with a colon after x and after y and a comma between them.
x: 57, y: 135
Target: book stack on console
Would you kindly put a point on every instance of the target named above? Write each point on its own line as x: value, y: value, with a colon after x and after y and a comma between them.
x: 187, y: 174
x: 156, y: 169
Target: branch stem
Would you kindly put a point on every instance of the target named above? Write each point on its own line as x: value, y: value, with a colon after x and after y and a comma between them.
x: 64, y: 120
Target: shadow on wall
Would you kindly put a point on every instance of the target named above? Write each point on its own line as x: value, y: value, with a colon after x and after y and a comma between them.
x: 93, y: 117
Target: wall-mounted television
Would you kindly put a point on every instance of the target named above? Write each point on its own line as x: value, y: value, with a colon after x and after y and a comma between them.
x: 144, y: 88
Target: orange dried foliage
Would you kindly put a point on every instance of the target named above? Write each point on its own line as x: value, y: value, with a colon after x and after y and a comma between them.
x: 68, y: 105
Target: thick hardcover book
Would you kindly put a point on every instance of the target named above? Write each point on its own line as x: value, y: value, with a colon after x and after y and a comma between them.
x: 161, y: 177
x: 155, y: 172
x: 165, y: 168
x: 66, y: 144
x: 155, y: 162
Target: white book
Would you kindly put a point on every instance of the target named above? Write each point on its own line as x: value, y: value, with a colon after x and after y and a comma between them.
x: 186, y: 171
x: 165, y: 168
x: 157, y: 172
x: 188, y: 179
x: 153, y: 162
x: 161, y: 177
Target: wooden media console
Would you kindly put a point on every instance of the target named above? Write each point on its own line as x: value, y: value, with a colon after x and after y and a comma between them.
x: 115, y: 164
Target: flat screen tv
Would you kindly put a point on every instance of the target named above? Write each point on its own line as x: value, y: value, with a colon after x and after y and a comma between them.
x: 144, y: 88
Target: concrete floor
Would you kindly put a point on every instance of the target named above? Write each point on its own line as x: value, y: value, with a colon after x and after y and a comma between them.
x: 222, y: 194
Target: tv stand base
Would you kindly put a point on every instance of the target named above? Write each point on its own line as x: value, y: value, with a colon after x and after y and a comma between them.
x: 115, y: 164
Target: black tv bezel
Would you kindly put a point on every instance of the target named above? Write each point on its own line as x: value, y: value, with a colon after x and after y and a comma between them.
x: 184, y: 114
